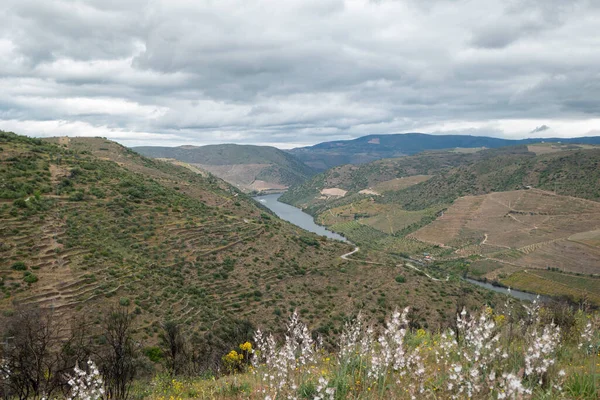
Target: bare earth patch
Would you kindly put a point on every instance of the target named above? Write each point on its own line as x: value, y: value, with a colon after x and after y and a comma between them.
x: 262, y: 185
x: 334, y: 192
x: 369, y: 191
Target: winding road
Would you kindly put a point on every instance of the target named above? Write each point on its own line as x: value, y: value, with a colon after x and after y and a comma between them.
x: 357, y: 249
x: 345, y: 256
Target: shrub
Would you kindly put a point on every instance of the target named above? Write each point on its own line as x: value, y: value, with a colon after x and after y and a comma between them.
x: 77, y: 196
x: 30, y: 278
x: 154, y: 353
x: 400, y: 279
x: 19, y: 266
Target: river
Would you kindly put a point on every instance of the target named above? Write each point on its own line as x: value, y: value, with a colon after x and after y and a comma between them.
x: 514, y: 293
x: 305, y: 221
x: 295, y: 216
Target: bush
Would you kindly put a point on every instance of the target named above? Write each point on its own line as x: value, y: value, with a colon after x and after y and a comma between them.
x: 154, y: 353
x: 400, y: 279
x: 124, y: 301
x: 77, y: 196
x: 30, y: 278
x: 19, y: 266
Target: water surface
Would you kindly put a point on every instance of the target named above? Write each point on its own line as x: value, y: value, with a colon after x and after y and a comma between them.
x: 514, y: 293
x: 295, y: 215
x: 305, y: 221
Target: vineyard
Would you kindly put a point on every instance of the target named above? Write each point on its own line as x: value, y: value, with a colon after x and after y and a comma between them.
x: 578, y: 288
x: 357, y: 232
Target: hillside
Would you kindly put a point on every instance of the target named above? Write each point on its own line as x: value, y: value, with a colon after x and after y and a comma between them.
x: 87, y: 223
x: 250, y: 168
x: 374, y: 147
x: 494, y: 213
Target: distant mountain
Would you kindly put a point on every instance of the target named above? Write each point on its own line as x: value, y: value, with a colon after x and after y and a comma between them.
x: 250, y: 168
x: 374, y: 147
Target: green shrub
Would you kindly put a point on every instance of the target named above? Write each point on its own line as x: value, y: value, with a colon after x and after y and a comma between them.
x: 154, y: 353
x: 400, y: 279
x: 124, y: 301
x: 77, y: 196
x: 30, y: 278
x: 19, y: 266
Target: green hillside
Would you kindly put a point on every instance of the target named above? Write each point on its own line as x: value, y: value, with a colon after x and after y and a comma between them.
x: 493, y: 214
x: 87, y: 223
x: 574, y: 172
x: 240, y: 165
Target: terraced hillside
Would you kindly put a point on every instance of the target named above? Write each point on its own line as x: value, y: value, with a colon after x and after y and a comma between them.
x: 87, y: 223
x: 491, y: 213
x: 443, y: 176
x: 250, y: 168
x: 387, y: 175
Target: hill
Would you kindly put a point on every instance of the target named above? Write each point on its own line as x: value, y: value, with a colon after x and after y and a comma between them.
x: 250, y: 168
x: 493, y: 213
x: 374, y: 147
x: 86, y: 224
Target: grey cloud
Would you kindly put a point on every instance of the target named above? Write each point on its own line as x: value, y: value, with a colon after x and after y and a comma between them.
x: 299, y: 70
x: 540, y: 128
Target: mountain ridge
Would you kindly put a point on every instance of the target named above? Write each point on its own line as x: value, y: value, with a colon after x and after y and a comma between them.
x: 369, y: 148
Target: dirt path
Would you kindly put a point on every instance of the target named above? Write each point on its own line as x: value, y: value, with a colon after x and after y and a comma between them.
x: 345, y: 257
x: 426, y: 274
x: 357, y: 249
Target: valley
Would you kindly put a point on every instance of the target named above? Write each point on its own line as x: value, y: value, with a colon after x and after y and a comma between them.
x: 497, y: 215
x: 88, y: 224
x: 252, y: 169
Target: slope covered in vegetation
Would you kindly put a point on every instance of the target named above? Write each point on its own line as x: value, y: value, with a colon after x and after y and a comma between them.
x: 252, y: 168
x: 492, y: 214
x: 87, y: 223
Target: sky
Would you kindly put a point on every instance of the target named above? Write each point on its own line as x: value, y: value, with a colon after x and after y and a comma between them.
x: 290, y: 73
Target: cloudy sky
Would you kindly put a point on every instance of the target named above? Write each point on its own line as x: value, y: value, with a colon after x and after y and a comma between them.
x: 298, y: 72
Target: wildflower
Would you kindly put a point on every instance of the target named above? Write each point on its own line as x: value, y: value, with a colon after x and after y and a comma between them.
x: 246, y: 347
x: 86, y: 385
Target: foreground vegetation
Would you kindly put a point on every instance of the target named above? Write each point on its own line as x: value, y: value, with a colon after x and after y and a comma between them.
x: 540, y: 353
x: 512, y: 352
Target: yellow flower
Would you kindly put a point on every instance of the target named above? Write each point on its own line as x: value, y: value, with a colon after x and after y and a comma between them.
x: 232, y: 358
x: 421, y: 333
x: 246, y: 346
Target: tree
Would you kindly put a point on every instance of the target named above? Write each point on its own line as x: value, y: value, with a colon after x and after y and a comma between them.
x: 37, y: 351
x: 175, y: 347
x: 119, y: 356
